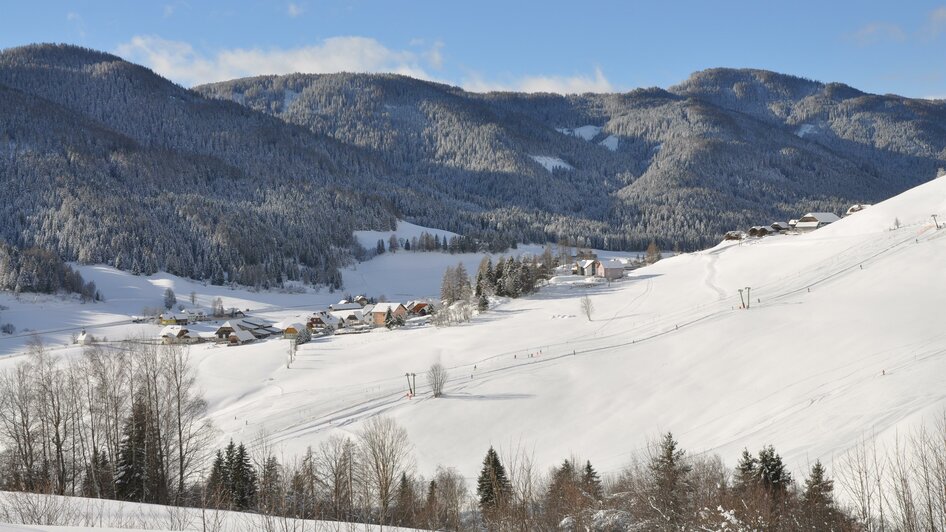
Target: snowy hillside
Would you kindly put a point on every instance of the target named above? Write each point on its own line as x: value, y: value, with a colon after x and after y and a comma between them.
x: 667, y: 349
x: 843, y: 338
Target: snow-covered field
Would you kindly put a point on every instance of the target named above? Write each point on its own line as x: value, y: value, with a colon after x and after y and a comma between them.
x: 76, y: 513
x: 844, y: 337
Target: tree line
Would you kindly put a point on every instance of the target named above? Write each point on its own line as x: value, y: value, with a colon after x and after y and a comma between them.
x: 129, y: 424
x: 125, y: 423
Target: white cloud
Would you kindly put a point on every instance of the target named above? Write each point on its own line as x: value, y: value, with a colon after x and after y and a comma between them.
x: 295, y: 9
x: 877, y: 32
x: 78, y: 24
x: 180, y: 62
x: 558, y: 84
x: 936, y: 22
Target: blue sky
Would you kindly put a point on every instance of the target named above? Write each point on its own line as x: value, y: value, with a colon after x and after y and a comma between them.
x: 882, y: 47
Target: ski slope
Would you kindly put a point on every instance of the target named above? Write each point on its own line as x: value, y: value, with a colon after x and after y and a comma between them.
x: 844, y: 338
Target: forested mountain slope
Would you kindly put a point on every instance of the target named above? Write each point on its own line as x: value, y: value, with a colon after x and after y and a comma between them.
x: 722, y: 150
x: 102, y: 160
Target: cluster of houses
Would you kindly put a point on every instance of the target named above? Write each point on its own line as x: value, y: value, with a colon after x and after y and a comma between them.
x: 358, y: 315
x: 805, y: 224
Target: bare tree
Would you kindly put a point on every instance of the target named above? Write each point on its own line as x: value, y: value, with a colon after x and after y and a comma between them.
x: 386, y: 454
x: 587, y: 307
x: 437, y: 378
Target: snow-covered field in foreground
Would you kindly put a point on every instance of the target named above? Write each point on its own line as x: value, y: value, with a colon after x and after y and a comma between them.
x: 76, y: 513
x: 844, y: 338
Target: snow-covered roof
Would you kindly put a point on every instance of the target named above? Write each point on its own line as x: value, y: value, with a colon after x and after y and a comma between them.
x: 345, y: 306
x: 857, y: 207
x: 585, y: 263
x: 243, y: 336
x: 173, y: 331
x: 383, y: 307
x: 294, y: 325
x: 611, y: 264
x: 822, y: 217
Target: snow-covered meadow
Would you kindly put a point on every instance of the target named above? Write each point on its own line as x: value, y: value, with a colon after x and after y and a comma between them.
x: 843, y: 339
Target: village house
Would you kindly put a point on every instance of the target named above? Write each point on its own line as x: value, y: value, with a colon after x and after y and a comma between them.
x: 171, y: 318
x: 352, y: 318
x: 291, y: 331
x: 361, y: 300
x: 761, y: 230
x: 380, y: 311
x: 857, y: 207
x: 815, y: 220
x: 585, y: 267
x: 223, y: 332
x: 240, y: 337
x: 609, y: 269
x: 257, y: 327
x: 322, y: 320
x: 418, y: 308
x: 177, y: 334
x: 780, y: 226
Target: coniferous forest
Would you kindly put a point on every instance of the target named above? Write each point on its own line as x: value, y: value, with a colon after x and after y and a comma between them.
x: 261, y: 181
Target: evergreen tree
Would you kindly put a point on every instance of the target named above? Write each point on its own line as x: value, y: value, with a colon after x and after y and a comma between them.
x: 139, y: 469
x: 404, y: 503
x: 218, y: 483
x: 746, y: 476
x: 269, y: 486
x: 389, y: 320
x: 818, y: 499
x: 379, y: 248
x: 772, y: 472
x: 591, y: 482
x: 669, y: 481
x: 493, y: 486
x: 243, y: 481
x: 563, y: 495
x: 98, y: 481
x: 482, y: 304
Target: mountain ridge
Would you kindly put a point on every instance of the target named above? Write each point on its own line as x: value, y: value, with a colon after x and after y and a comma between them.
x: 722, y: 150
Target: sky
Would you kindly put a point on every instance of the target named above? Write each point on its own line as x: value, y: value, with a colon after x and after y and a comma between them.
x: 556, y: 46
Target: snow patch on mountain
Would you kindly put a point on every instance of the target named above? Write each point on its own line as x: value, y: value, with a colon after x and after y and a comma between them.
x: 805, y: 129
x: 583, y: 132
x: 611, y: 143
x: 551, y: 163
x: 289, y: 96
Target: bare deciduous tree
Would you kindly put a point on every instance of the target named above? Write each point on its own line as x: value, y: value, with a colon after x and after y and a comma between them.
x: 385, y: 455
x: 437, y: 378
x: 587, y: 307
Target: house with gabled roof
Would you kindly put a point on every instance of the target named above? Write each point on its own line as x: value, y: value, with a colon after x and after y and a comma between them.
x: 380, y: 311
x: 815, y: 220
x: 609, y: 269
x: 240, y: 337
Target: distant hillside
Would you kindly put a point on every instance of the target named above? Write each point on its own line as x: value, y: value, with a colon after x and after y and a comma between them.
x: 724, y: 149
x: 103, y: 161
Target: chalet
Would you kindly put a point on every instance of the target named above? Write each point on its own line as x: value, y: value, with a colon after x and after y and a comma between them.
x: 734, y: 235
x: 322, y: 320
x: 609, y: 269
x: 857, y: 207
x: 361, y: 300
x: 418, y: 308
x: 815, y: 220
x: 291, y: 331
x: 380, y: 312
x: 224, y: 331
x: 585, y: 267
x: 171, y: 318
x: 177, y: 334
x: 780, y: 226
x: 240, y: 337
x: 234, y: 313
x: 761, y: 230
x: 351, y: 318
